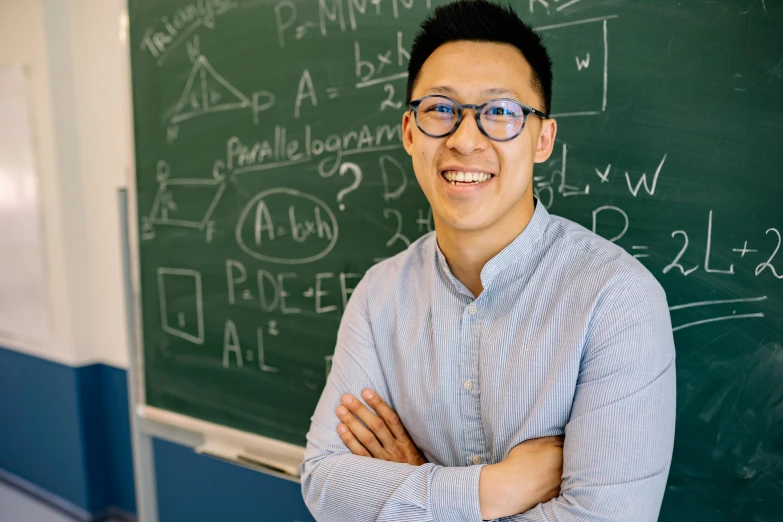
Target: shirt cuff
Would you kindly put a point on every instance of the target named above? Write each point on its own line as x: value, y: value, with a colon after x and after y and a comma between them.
x: 454, y: 493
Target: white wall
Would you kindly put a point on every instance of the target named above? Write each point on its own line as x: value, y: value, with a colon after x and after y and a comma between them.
x: 23, y: 43
x: 74, y: 58
x: 24, y: 295
x: 102, y: 128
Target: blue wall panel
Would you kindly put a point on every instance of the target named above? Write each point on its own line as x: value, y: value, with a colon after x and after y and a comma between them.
x: 67, y: 431
x: 106, y: 426
x: 93, y: 439
x: 40, y: 426
x: 196, y: 488
x: 119, y: 457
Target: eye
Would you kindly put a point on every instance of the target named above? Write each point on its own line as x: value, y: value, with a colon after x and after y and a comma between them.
x: 441, y: 107
x: 501, y: 111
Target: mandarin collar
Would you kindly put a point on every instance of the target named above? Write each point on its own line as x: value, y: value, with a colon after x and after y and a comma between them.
x: 513, y: 252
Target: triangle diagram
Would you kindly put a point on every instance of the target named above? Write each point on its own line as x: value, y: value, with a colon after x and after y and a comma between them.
x: 206, y: 91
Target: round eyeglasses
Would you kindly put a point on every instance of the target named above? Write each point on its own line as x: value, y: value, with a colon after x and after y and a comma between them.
x: 502, y: 119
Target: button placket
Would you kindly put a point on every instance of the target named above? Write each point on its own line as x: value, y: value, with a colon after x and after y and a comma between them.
x: 470, y: 402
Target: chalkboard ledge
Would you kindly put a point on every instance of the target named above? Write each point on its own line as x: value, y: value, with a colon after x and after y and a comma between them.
x: 271, y: 456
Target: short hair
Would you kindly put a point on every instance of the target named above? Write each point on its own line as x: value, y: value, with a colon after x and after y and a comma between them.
x: 481, y: 21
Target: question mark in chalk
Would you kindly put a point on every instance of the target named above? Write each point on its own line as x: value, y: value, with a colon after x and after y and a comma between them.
x: 357, y: 174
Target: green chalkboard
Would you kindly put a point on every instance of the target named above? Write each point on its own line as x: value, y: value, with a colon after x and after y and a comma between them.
x: 270, y: 176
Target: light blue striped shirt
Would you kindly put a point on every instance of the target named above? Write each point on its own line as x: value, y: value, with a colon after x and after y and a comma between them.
x: 571, y: 335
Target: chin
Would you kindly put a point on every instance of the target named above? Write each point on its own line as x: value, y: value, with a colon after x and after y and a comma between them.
x: 467, y: 223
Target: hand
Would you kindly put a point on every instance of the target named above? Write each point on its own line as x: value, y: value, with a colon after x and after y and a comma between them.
x: 530, y: 474
x: 386, y: 438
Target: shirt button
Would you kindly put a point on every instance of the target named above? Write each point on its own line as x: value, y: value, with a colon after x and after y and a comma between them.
x: 472, y: 309
x: 476, y: 459
x: 468, y: 384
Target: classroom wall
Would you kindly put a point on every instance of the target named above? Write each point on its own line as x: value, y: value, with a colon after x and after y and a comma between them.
x: 100, y: 167
x: 73, y: 57
x: 23, y: 43
x: 63, y: 403
x: 66, y: 433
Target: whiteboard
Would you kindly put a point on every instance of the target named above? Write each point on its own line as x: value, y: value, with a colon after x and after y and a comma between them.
x: 24, y: 313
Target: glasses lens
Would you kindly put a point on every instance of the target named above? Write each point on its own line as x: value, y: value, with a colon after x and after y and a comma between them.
x: 437, y: 116
x: 502, y: 119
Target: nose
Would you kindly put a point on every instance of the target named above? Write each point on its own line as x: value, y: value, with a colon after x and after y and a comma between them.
x: 468, y: 138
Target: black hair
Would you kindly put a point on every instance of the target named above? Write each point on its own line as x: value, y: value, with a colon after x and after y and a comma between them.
x: 481, y: 21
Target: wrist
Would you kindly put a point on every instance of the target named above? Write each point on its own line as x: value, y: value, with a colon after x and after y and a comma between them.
x: 489, y: 486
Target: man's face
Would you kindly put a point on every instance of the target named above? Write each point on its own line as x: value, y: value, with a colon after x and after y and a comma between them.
x: 475, y: 72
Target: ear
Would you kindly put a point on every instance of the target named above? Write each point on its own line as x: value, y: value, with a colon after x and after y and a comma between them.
x: 407, y: 131
x: 546, y: 140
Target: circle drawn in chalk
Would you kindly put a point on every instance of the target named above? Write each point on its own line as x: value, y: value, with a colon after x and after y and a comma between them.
x: 332, y: 220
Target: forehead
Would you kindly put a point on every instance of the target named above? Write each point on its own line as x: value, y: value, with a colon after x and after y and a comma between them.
x: 476, y: 69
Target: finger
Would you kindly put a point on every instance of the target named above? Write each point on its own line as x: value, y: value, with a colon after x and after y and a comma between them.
x: 362, y: 434
x: 351, y: 442
x: 388, y: 415
x: 371, y: 420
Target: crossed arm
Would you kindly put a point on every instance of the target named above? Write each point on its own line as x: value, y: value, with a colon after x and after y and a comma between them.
x: 616, y: 453
x: 340, y: 486
x: 531, y: 473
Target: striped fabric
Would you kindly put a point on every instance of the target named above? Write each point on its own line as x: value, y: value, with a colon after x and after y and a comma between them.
x: 571, y: 335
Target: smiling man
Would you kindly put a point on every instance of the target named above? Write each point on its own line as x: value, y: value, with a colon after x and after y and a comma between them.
x: 530, y: 363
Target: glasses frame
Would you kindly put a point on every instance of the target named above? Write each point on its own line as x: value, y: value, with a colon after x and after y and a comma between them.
x: 526, y: 110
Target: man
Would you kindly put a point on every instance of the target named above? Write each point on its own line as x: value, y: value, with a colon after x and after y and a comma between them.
x: 500, y: 332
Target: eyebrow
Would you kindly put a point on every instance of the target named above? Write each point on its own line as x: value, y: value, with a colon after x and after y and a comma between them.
x: 500, y: 91
x: 494, y: 91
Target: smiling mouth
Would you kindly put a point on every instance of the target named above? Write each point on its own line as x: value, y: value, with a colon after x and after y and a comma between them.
x: 458, y: 178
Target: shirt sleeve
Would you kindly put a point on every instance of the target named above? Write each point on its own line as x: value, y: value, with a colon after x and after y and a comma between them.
x: 339, y: 486
x: 620, y: 435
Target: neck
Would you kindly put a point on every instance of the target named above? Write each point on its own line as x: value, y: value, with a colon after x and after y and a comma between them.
x: 467, y: 251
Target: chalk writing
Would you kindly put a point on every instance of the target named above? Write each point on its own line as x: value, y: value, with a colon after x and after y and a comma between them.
x: 173, y: 29
x: 303, y: 218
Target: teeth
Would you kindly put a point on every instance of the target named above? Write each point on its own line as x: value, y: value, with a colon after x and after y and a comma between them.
x: 466, y: 177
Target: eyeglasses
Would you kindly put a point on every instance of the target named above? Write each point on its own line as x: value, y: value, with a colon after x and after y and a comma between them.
x: 502, y: 119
